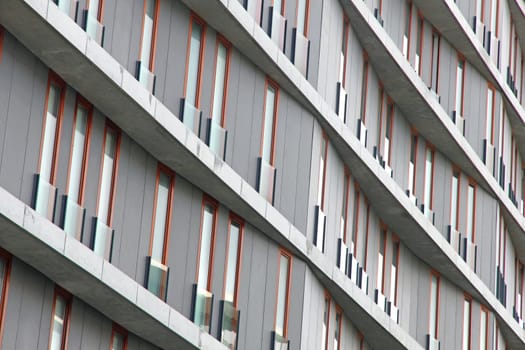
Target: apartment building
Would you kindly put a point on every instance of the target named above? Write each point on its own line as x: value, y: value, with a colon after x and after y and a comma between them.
x: 262, y: 174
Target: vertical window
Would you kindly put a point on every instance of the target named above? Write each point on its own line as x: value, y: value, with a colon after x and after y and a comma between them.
x: 344, y: 212
x: 460, y: 78
x: 388, y: 134
x: 283, y: 294
x: 364, y: 88
x: 108, y: 174
x: 408, y: 26
x: 454, y: 201
x: 480, y: 9
x: 302, y: 16
x: 45, y: 196
x: 494, y: 8
x: 364, y: 246
x: 60, y: 320
x: 429, y: 179
x: 5, y: 273
x: 148, y: 43
x: 195, y: 51
x: 519, y: 289
x: 207, y: 242
x: 434, y: 64
x: 489, y: 130
x: 220, y: 83
x: 119, y: 338
x: 483, y: 331
x: 381, y: 261
x: 467, y: 305
x: 322, y: 171
x: 471, y: 207
x: 162, y: 214
x: 419, y: 45
x: 77, y: 168
x: 394, y: 271
x: 344, y: 51
x: 233, y: 259
x: 412, y: 164
x: 93, y: 20
x: 326, y: 322
x: 355, y: 224
x: 338, y: 328
x: 269, y: 122
x: 434, y: 305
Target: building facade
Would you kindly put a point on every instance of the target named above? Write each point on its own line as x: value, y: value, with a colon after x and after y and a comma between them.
x: 262, y: 174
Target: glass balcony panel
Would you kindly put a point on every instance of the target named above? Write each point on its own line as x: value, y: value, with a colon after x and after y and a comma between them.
x: 454, y: 238
x: 145, y: 77
x: 279, y: 342
x: 277, y: 27
x: 202, y: 308
x: 73, y: 223
x: 301, y: 46
x: 102, y: 242
x: 157, y: 277
x: 266, y: 179
x: 432, y: 343
x: 229, y: 327
x: 191, y: 117
x: 94, y: 29
x: 216, y: 138
x: 45, y: 196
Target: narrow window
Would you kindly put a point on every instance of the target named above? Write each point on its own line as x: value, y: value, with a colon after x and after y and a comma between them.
x: 434, y: 64
x: 158, y: 251
x: 364, y: 88
x: 419, y: 45
x: 467, y: 304
x: 326, y: 321
x: 483, y: 331
x: 344, y: 51
x: 229, y: 323
x: 338, y: 328
x: 266, y: 175
x: 355, y: 222
x: 394, y: 270
x: 387, y: 147
x: 494, y: 8
x: 119, y: 338
x: 429, y: 179
x: 77, y: 169
x: 46, y: 192
x: 454, y: 201
x: 344, y: 212
x: 60, y: 320
x: 202, y: 290
x: 480, y: 9
x: 519, y: 289
x: 364, y: 246
x: 489, y: 130
x: 408, y: 26
x: 192, y: 83
x: 302, y: 16
x: 148, y: 44
x: 5, y: 274
x: 434, y: 305
x: 460, y: 78
x: 93, y: 20
x: 381, y: 261
x: 412, y: 165
x: 108, y: 177
x: 322, y: 171
x: 283, y: 296
x: 471, y: 207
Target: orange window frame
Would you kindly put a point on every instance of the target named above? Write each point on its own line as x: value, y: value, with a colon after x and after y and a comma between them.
x: 456, y: 172
x: 357, y: 204
x: 283, y: 6
x: 487, y: 330
x: 390, y: 126
x: 435, y: 33
x: 365, y: 259
x: 421, y: 34
x: 492, y: 112
x: 397, y: 243
x: 437, y: 275
x: 474, y: 185
x: 81, y: 101
x: 383, y: 231
x: 5, y: 290
x: 346, y: 34
x: 364, y: 86
x: 284, y: 253
x: 100, y: 10
x: 151, y: 63
x: 461, y: 59
x: 414, y: 142
x: 270, y: 83
x: 208, y: 201
x: 432, y: 149
x: 110, y: 127
x: 67, y: 315
x: 161, y: 168
x: 55, y: 80
x: 194, y: 18
x: 221, y: 40
x: 346, y: 202
x: 324, y: 152
x: 117, y: 329
x: 409, y: 4
x: 237, y: 219
x: 327, y: 301
x: 339, y: 313
x: 468, y: 299
x: 306, y: 15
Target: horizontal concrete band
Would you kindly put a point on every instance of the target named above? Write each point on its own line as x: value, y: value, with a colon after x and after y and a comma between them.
x: 145, y: 119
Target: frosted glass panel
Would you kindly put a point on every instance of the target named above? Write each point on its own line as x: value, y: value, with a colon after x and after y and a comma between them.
x: 268, y: 124
x: 48, y: 145
x: 218, y: 91
x: 281, y: 295
x: 193, y: 63
x: 77, y: 154
x: 206, y: 236
x: 231, y: 268
x: 107, y: 176
x: 161, y: 213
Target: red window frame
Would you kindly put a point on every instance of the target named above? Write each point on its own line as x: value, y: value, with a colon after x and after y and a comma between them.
x: 110, y: 126
x: 117, y: 329
x: 468, y: 299
x: 347, y: 196
x: 432, y: 149
x: 461, y: 58
x: 240, y: 221
x: 518, y: 287
x: 327, y: 302
x: 306, y: 15
x: 207, y: 200
x: 414, y: 140
x: 221, y: 40
x: 195, y: 18
x: 283, y: 6
x: 435, y: 32
x: 380, y: 118
x: 361, y: 340
x: 421, y: 34
x: 4, y: 290
x: 396, y: 243
x: 456, y: 172
x: 270, y: 83
x: 100, y: 11
x: 492, y: 112
x: 56, y: 80
x: 81, y: 101
x: 346, y: 34
x: 161, y: 168
x: 67, y: 315
x: 389, y: 126
x: 472, y: 183
x: 364, y: 86
x: 487, y: 329
x: 357, y: 204
x: 365, y: 259
x: 409, y: 4
x: 151, y: 63
x: 288, y: 255
x: 339, y: 312
x: 324, y: 151
x: 383, y: 231
x: 437, y: 275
